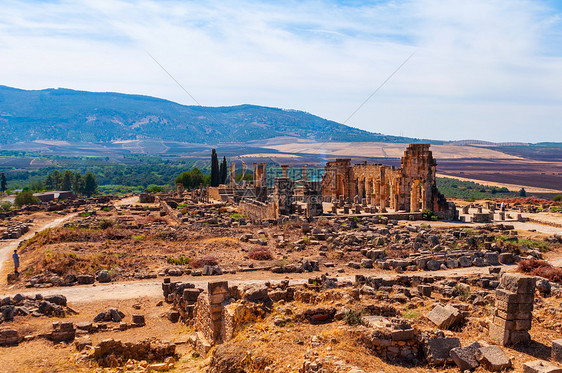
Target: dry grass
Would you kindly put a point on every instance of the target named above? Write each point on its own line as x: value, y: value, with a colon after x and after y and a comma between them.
x: 541, y: 268
x: 260, y: 253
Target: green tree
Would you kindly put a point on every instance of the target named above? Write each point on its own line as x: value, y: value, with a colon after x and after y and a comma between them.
x: 90, y: 185
x: 3, y: 183
x: 185, y: 179
x: 77, y: 183
x: 522, y: 193
x: 191, y: 179
x: 67, y: 180
x: 223, y: 171
x: 26, y: 197
x: 37, y: 185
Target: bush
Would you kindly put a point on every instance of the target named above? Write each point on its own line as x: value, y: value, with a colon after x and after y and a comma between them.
x: 106, y: 223
x: 6, y: 206
x: 461, y: 291
x: 152, y: 188
x: 352, y: 317
x: 260, y: 253
x: 429, y: 215
x: 557, y: 198
x: 204, y: 261
x: 26, y: 198
x: 541, y: 268
x: 179, y: 261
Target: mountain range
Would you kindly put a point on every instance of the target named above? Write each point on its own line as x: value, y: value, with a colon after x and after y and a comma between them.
x: 104, y: 117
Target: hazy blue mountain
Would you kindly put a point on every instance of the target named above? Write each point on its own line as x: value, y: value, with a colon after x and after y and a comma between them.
x: 79, y: 116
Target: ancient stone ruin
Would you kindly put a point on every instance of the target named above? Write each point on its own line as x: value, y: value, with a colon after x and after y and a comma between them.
x: 410, y: 188
x: 351, y: 189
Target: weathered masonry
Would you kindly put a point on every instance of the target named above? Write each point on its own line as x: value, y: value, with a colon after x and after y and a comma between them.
x: 410, y: 188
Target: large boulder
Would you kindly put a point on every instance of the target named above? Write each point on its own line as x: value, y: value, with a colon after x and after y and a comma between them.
x: 103, y: 276
x: 56, y: 299
x: 85, y: 279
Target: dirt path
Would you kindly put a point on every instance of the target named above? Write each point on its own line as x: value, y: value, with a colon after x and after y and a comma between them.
x: 7, y: 247
x: 152, y: 288
x: 127, y: 201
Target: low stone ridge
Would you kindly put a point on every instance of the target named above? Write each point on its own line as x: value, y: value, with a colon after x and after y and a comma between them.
x: 111, y: 352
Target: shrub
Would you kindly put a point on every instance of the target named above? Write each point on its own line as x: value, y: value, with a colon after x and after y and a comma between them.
x: 260, y: 253
x: 6, y: 206
x: 461, y: 291
x: 352, y: 317
x: 152, y: 188
x: 557, y: 198
x: 541, y: 268
x: 179, y: 261
x: 106, y: 223
x: 26, y: 198
x: 411, y: 314
x: 429, y: 215
x: 204, y: 261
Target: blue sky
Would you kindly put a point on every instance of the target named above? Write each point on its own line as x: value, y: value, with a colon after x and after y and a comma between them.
x: 482, y: 69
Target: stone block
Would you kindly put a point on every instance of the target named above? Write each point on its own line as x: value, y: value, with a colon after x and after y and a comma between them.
x: 506, y: 258
x: 444, y: 317
x: 138, y: 319
x: 522, y: 324
x: 256, y: 293
x: 493, y: 358
x: 505, y: 324
x: 557, y: 350
x: 499, y: 335
x: 519, y: 337
x: 191, y: 295
x: 492, y: 258
x: 540, y: 366
x: 518, y: 283
x: 465, y: 357
x: 425, y: 290
x: 217, y: 287
x: 437, y: 350
x: 505, y: 296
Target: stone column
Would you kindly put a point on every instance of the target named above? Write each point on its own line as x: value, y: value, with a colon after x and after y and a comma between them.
x: 304, y: 174
x: 232, y: 174
x: 513, y: 313
x: 284, y: 167
x: 415, y: 197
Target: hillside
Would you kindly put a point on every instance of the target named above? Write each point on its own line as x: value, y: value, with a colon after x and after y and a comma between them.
x: 79, y: 116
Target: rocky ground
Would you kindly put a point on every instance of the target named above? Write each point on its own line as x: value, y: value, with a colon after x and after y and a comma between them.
x: 331, y: 290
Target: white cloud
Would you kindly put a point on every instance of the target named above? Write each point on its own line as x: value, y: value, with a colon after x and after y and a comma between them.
x: 485, y: 69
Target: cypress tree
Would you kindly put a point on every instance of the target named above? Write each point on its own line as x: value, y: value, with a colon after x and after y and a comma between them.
x: 215, y: 173
x: 224, y: 171
x: 3, y: 183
